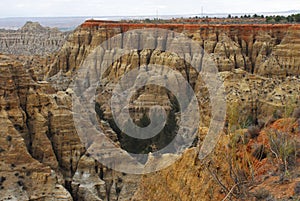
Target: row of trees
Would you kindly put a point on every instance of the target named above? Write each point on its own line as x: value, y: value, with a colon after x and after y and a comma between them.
x: 278, y: 18
x: 274, y: 18
x: 247, y: 16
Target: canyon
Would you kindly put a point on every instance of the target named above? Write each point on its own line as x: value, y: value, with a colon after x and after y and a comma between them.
x: 42, y: 156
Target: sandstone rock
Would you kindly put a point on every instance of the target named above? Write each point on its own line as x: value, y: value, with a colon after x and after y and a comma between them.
x: 31, y: 39
x: 43, y: 122
x: 249, y: 47
x: 36, y: 107
x: 23, y: 177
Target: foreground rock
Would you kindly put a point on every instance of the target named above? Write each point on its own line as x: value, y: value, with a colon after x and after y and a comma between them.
x: 41, y: 154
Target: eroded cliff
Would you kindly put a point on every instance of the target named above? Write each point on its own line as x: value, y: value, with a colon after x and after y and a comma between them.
x: 42, y: 155
x: 266, y: 50
x: 31, y: 39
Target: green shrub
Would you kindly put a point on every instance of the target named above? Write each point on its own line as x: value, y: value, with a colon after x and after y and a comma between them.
x: 284, y: 148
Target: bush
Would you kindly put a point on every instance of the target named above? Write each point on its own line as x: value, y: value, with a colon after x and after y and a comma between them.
x: 296, y: 113
x: 297, y: 189
x: 284, y: 148
x: 253, y: 131
x: 20, y: 183
x: 277, y: 114
x: 260, y: 153
x: 297, y: 18
x: 290, y: 19
x: 8, y: 138
x: 278, y: 18
x: 269, y: 19
x: 2, y: 179
x: 261, y: 194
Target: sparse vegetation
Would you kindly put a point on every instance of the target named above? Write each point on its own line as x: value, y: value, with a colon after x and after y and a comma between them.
x: 290, y: 107
x: 230, y: 18
x: 261, y: 194
x: 295, y: 18
x: 237, y: 119
x: 8, y: 138
x: 253, y: 131
x: 260, y: 144
x: 260, y: 152
x: 20, y: 183
x: 284, y: 149
x: 296, y: 113
x: 2, y: 179
x: 297, y: 189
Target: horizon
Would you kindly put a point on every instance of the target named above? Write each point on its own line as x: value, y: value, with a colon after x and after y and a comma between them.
x: 135, y: 8
x: 224, y: 14
x: 68, y: 23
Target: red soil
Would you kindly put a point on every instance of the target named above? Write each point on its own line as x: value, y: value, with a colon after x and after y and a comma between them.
x: 177, y: 26
x: 245, y: 31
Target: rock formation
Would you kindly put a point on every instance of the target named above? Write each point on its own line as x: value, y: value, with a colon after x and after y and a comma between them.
x: 216, y: 177
x: 41, y: 154
x: 265, y: 50
x: 31, y: 39
x: 39, y: 138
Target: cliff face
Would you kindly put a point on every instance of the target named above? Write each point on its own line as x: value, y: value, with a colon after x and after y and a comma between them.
x: 257, y: 55
x: 258, y: 63
x: 27, y: 156
x: 42, y: 157
x: 40, y: 151
x: 31, y: 39
x: 265, y: 50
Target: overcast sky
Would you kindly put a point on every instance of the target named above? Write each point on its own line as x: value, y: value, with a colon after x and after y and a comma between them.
x: 45, y: 8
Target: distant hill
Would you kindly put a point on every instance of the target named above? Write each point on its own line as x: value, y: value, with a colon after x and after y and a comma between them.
x: 70, y: 23
x: 31, y: 39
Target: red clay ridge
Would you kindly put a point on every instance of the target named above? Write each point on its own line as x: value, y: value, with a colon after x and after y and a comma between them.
x: 179, y: 27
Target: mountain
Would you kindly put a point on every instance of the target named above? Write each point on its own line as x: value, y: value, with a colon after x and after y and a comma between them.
x: 31, y: 39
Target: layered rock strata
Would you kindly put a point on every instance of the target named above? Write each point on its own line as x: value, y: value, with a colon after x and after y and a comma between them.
x: 31, y: 39
x: 41, y: 154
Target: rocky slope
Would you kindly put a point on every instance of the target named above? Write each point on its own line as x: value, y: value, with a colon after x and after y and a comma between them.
x: 42, y: 156
x: 31, y: 39
x: 263, y: 52
x: 266, y: 50
x: 24, y: 175
x: 224, y: 174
